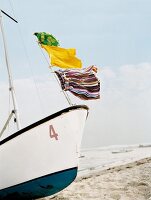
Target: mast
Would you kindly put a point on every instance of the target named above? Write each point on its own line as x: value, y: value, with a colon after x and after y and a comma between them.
x: 11, y: 85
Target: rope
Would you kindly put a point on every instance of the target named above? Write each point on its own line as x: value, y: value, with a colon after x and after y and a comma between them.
x: 28, y: 60
x: 11, y: 5
x: 65, y: 94
x: 9, y: 105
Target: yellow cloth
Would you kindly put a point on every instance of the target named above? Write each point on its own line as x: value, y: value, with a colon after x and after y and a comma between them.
x: 63, y: 58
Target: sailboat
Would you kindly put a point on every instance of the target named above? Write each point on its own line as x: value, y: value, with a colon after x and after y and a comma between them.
x: 42, y: 158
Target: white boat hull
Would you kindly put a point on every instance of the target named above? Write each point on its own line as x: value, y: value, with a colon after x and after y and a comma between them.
x: 48, y: 147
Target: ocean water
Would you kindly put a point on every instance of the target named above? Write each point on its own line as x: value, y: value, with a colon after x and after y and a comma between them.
x: 94, y: 159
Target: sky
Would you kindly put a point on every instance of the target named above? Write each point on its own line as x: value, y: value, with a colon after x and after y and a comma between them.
x: 112, y: 34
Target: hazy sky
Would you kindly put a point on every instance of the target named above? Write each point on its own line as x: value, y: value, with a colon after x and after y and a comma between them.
x: 112, y: 34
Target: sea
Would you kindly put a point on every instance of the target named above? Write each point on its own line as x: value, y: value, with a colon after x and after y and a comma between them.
x: 100, y: 158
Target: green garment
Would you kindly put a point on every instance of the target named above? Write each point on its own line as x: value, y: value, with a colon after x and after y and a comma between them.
x: 47, y: 39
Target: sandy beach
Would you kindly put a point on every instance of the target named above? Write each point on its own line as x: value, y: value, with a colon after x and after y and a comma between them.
x: 128, y: 182
x: 131, y: 181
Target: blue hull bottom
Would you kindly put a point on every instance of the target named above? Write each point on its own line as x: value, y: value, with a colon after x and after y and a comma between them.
x: 40, y: 187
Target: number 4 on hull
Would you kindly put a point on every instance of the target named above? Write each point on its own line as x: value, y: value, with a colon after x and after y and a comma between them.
x: 52, y: 132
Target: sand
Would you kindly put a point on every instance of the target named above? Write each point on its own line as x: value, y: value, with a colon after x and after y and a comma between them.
x: 130, y: 181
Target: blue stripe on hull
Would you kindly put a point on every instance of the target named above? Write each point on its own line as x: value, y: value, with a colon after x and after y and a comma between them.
x: 40, y: 187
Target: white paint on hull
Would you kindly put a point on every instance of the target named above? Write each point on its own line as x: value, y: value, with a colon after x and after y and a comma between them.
x: 34, y: 153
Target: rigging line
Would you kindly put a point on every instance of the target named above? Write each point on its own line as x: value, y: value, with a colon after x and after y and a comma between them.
x: 28, y: 60
x: 9, y: 74
x: 65, y: 94
x: 9, y: 102
x: 12, y: 7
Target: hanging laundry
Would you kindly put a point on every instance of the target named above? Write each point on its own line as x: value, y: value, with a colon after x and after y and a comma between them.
x: 63, y: 58
x: 46, y: 39
x: 60, y: 57
x: 82, y: 83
